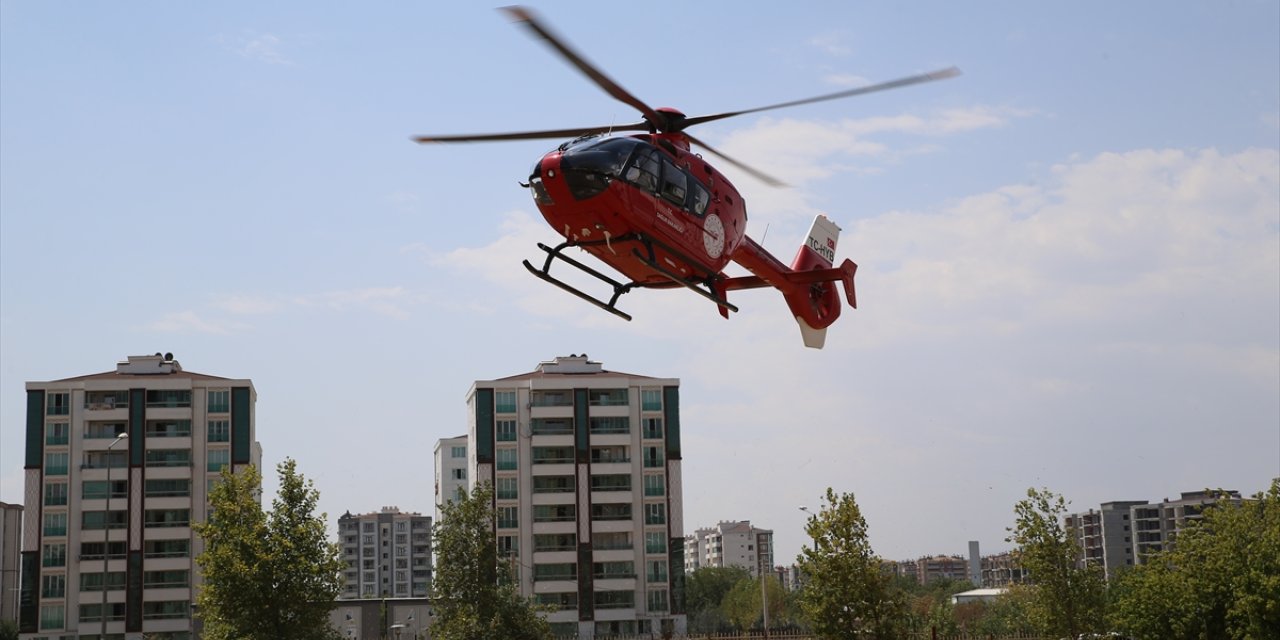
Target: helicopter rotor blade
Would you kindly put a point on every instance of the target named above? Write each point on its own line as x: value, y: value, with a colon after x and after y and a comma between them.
x: 940, y: 74
x: 531, y: 135
x: 756, y: 173
x: 526, y: 17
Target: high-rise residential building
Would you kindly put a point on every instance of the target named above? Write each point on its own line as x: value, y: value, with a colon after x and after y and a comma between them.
x: 387, y: 553
x: 1105, y: 535
x: 585, y: 464
x: 730, y: 544
x: 118, y: 466
x: 1156, y: 526
x: 451, y: 471
x: 10, y: 548
x: 1002, y: 570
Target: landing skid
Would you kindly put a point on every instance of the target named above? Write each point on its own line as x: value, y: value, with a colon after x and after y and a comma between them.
x: 709, y: 293
x: 556, y: 254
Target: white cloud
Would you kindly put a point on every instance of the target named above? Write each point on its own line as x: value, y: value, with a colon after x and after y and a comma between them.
x: 832, y: 43
x: 263, y: 47
x: 190, y: 322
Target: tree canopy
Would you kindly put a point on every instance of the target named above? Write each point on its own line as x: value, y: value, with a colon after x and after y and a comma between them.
x: 1066, y: 599
x: 474, y: 592
x: 845, y: 594
x: 267, y: 575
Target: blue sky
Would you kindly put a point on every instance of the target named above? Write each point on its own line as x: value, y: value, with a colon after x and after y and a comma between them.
x: 1069, y: 256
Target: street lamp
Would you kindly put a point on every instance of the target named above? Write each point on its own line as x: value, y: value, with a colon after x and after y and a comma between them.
x: 106, y: 531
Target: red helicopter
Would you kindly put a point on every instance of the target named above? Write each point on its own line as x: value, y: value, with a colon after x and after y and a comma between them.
x: 662, y: 216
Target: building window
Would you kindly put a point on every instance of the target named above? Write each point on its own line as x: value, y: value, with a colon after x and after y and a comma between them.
x: 508, y: 517
x: 54, y: 555
x: 57, y: 433
x: 614, y: 453
x: 555, y: 571
x: 55, y: 464
x: 217, y: 459
x: 611, y: 540
x: 55, y: 524
x: 508, y: 488
x: 53, y: 586
x: 505, y: 431
x: 554, y: 512
x: 178, y: 578
x: 611, y: 511
x: 169, y: 458
x: 652, y: 429
x: 565, y: 601
x: 555, y: 542
x: 508, y: 546
x: 103, y: 430
x: 611, y: 482
x: 655, y: 542
x: 658, y: 600
x: 219, y: 401
x: 105, y: 459
x: 654, y: 485
x: 95, y: 551
x: 93, y: 613
x: 655, y: 571
x: 504, y: 401
x: 607, y: 397
x: 165, y: 609
x: 168, y: 398
x: 219, y: 431
x: 58, y: 404
x: 458, y: 452
x: 506, y: 459
x: 94, y: 520
x: 167, y: 518
x: 556, y: 398
x: 166, y: 548
x: 615, y: 599
x: 459, y: 474
x: 93, y: 581
x: 613, y: 425
x: 97, y: 489
x: 655, y: 513
x: 607, y: 570
x: 552, y: 455
x: 651, y: 400
x: 653, y: 457
x: 55, y: 494
x: 553, y: 484
x: 168, y: 488
x: 551, y: 426
x: 168, y: 428
x: 52, y: 616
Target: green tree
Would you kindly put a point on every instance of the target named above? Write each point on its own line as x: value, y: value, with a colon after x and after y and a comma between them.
x: 476, y: 597
x: 705, y: 591
x: 8, y: 630
x: 744, y: 602
x: 267, y: 576
x: 1066, y: 599
x: 845, y: 594
x: 1221, y: 579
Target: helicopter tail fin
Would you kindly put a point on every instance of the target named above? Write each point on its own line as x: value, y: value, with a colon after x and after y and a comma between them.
x: 814, y: 299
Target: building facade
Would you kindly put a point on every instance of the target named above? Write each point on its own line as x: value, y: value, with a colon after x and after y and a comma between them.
x: 1105, y: 535
x: 730, y: 544
x: 585, y: 464
x: 451, y: 471
x: 1157, y: 525
x: 118, y: 467
x: 388, y: 554
x: 10, y: 566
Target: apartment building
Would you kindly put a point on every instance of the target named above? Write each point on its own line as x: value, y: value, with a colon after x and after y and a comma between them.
x: 387, y: 553
x: 10, y: 549
x: 1105, y: 535
x: 1156, y: 526
x: 1002, y: 570
x: 118, y: 466
x: 451, y: 471
x: 730, y: 544
x: 585, y: 463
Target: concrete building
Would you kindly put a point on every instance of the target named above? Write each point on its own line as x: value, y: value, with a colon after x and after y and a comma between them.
x: 1157, y: 525
x: 451, y: 471
x: 1002, y: 570
x: 932, y: 568
x: 585, y: 463
x: 10, y: 567
x: 383, y: 618
x: 1105, y: 535
x: 387, y: 553
x: 108, y: 516
x: 730, y: 544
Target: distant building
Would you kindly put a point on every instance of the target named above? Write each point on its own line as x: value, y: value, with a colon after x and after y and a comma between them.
x: 1157, y: 525
x: 933, y: 568
x: 1002, y: 570
x: 10, y: 567
x: 112, y: 516
x: 1105, y: 535
x: 730, y: 544
x: 387, y: 553
x: 585, y: 464
x: 978, y: 595
x: 451, y: 471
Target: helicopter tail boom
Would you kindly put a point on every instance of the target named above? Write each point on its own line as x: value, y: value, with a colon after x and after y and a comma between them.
x: 808, y: 284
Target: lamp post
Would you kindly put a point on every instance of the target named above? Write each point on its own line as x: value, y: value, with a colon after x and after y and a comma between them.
x: 106, y: 531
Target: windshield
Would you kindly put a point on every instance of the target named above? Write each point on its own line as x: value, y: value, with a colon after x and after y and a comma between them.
x: 605, y: 156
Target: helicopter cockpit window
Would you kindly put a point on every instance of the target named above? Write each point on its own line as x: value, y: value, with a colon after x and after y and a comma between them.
x: 643, y: 170
x: 701, y: 198
x: 674, y: 183
x: 588, y: 167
